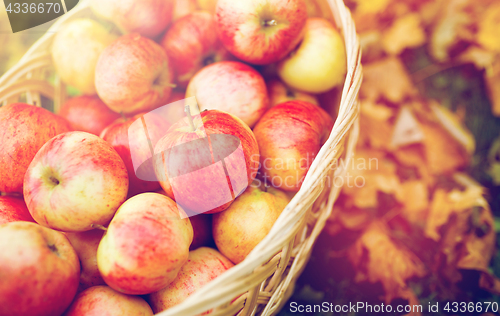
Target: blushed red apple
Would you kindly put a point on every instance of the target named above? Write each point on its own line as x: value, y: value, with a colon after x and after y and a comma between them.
x: 290, y: 136
x: 231, y: 87
x: 76, y: 180
x: 204, y: 265
x: 104, y: 301
x: 131, y: 141
x: 146, y: 17
x: 87, y: 114
x: 133, y: 75
x: 24, y: 129
x: 13, y: 209
x: 205, y: 163
x: 191, y: 44
x: 260, y: 31
x: 145, y: 246
x: 39, y: 270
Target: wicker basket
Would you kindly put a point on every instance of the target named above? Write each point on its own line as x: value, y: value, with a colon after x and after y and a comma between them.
x: 263, y: 282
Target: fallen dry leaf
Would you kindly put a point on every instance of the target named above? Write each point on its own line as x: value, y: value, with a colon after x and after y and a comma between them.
x: 406, y: 32
x: 379, y: 259
x: 387, y: 79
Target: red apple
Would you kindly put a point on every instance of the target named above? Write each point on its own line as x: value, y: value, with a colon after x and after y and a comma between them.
x: 204, y: 265
x: 88, y: 114
x: 133, y: 75
x: 191, y: 44
x: 231, y: 87
x: 289, y: 137
x: 146, y: 17
x: 75, y: 181
x: 85, y: 245
x: 24, y: 129
x: 104, y: 301
x: 260, y: 31
x: 248, y: 220
x: 39, y: 270
x: 145, y: 245
x: 13, y: 209
x: 131, y: 141
x: 205, y: 163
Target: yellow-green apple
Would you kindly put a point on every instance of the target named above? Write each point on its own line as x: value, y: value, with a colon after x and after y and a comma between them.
x: 131, y: 141
x: 39, y: 270
x: 231, y: 87
x: 279, y: 93
x: 183, y: 8
x: 260, y: 31
x: 24, y: 129
x: 319, y: 63
x: 88, y: 114
x: 204, y: 265
x: 248, y: 220
x: 85, y: 245
x: 76, y: 49
x: 146, y: 17
x: 76, y: 181
x: 13, y: 209
x: 145, y: 246
x: 207, y: 5
x: 104, y: 301
x: 289, y: 137
x: 191, y: 44
x: 204, y: 163
x: 133, y: 75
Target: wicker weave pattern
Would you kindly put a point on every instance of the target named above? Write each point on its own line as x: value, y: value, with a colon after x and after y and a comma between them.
x: 264, y: 281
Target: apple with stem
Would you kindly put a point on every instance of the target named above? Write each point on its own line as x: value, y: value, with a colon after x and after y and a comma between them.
x: 205, y: 161
x: 260, y: 31
x: 76, y: 181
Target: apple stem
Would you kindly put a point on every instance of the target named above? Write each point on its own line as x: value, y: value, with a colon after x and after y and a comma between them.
x: 123, y: 115
x: 172, y: 85
x: 190, y: 118
x: 271, y: 23
x: 97, y: 226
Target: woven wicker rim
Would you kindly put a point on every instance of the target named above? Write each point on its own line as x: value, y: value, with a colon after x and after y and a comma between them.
x: 265, y: 279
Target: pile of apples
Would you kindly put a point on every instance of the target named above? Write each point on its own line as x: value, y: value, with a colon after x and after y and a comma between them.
x: 123, y: 203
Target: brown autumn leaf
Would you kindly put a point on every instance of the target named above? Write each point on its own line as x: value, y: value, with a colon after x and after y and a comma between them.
x: 406, y: 32
x: 414, y: 195
x: 442, y: 152
x: 488, y: 28
x: 493, y: 86
x: 379, y: 259
x: 387, y: 79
